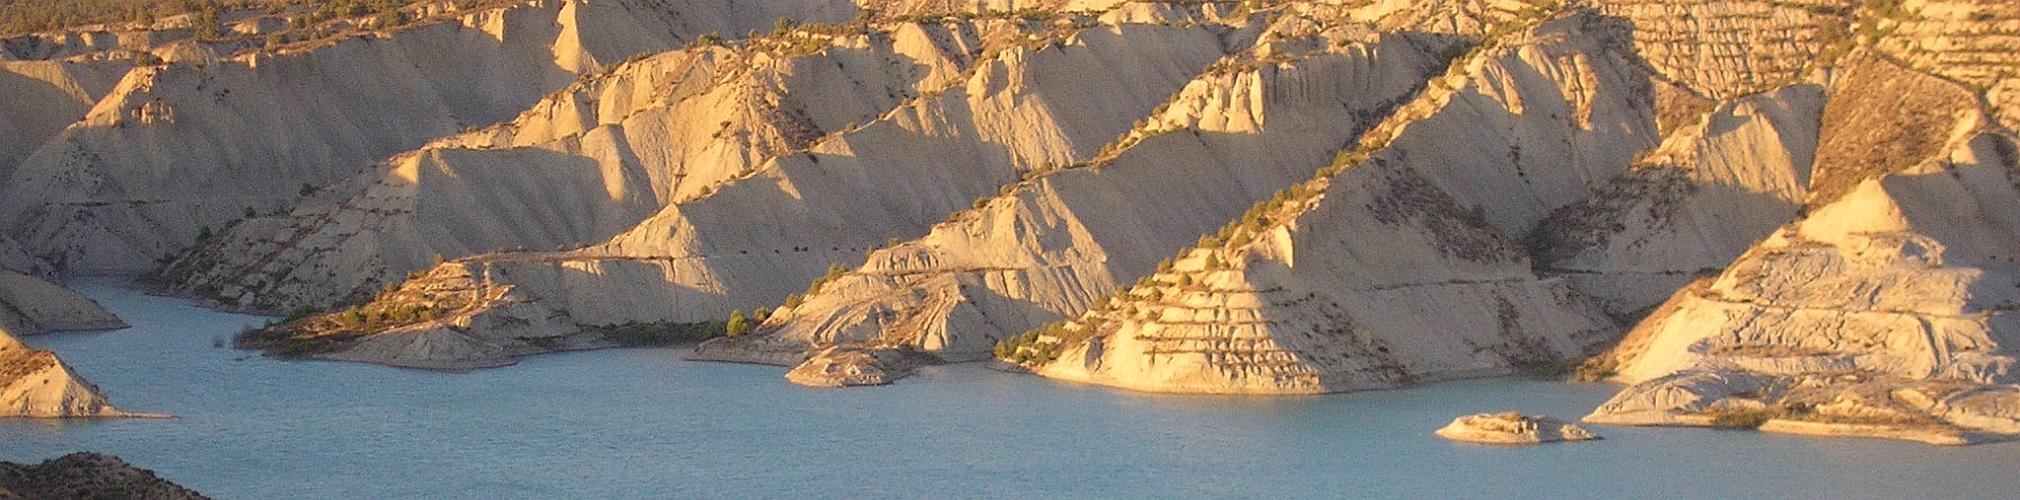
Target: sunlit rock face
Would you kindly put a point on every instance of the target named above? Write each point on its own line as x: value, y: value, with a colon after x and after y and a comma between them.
x: 1800, y: 214
x: 34, y: 384
x: 1886, y: 312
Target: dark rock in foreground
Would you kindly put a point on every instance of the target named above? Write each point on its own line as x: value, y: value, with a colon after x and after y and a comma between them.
x: 86, y: 475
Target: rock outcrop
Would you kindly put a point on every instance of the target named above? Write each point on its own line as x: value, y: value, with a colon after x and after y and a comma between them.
x: 86, y: 475
x: 1512, y: 428
x: 34, y: 384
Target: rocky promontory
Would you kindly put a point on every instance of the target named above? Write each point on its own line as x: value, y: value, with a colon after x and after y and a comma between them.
x: 33, y: 383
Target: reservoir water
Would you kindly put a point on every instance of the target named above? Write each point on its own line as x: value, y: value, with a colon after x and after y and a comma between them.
x: 644, y: 423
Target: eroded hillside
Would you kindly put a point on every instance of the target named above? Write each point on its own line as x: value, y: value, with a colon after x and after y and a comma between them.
x: 1800, y: 214
x: 1332, y: 285
x: 1051, y: 244
x: 180, y: 149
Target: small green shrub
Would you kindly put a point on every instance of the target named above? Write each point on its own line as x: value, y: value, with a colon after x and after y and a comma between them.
x: 1749, y: 419
x: 737, y: 324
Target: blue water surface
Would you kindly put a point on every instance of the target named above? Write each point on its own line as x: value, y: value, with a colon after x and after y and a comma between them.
x: 645, y: 423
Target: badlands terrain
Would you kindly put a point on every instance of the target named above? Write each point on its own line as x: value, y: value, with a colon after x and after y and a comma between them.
x: 1800, y: 216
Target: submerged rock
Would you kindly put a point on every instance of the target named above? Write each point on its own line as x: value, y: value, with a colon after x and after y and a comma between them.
x: 87, y: 475
x: 1512, y: 428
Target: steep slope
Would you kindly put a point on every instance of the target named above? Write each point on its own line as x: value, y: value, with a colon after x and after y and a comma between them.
x: 204, y: 140
x: 1537, y: 125
x: 34, y: 384
x: 1332, y: 286
x: 14, y: 258
x: 1339, y: 298
x: 30, y: 305
x: 584, y: 163
x: 1885, y: 313
x: 1730, y: 48
x: 1972, y: 42
x: 43, y: 97
x: 1714, y: 188
x: 1053, y: 98
x: 1746, y: 167
x: 1050, y: 246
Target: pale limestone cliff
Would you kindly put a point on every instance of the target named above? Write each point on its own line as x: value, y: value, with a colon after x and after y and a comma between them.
x: 1340, y: 296
x: 14, y: 258
x: 1883, y: 311
x: 1731, y: 172
x: 1054, y: 247
x: 1836, y: 178
x: 1973, y: 42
